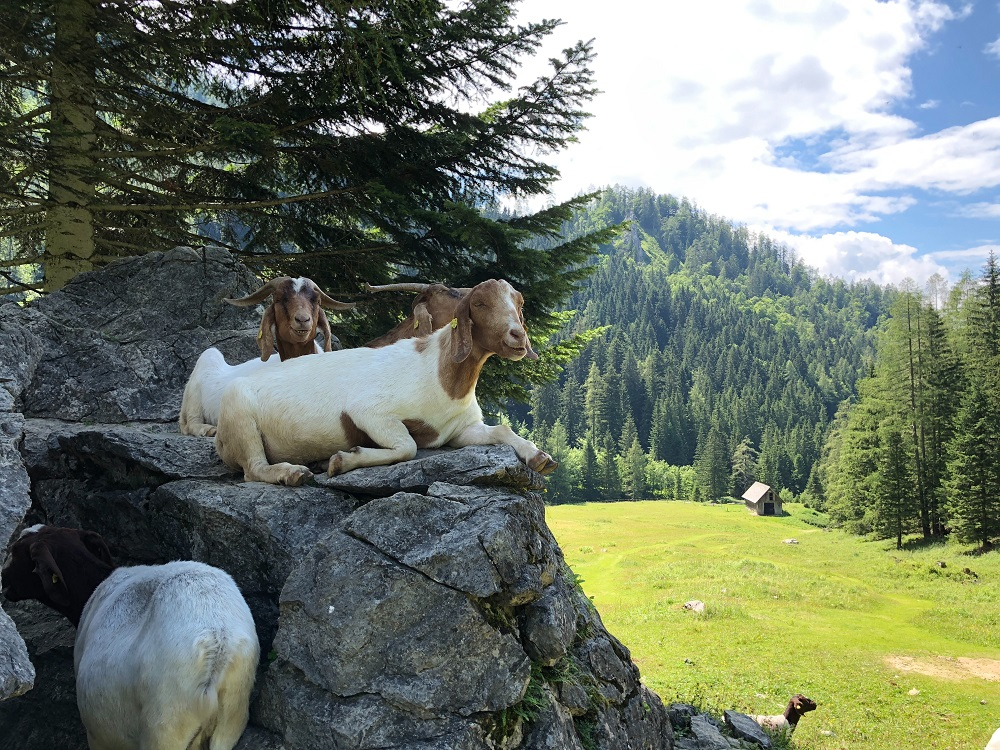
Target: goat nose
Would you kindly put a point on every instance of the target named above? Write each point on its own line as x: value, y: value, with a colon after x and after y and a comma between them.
x: 517, y: 333
x: 303, y: 317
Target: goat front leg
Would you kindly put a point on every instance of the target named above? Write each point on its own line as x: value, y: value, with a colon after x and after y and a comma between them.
x: 527, y: 451
x: 398, y: 445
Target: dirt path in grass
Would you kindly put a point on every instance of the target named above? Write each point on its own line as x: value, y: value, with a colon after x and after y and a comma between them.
x: 947, y: 667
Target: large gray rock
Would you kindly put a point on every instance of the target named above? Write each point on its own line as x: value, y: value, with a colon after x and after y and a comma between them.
x: 117, y: 345
x: 482, y: 465
x: 17, y: 675
x: 422, y: 606
x: 745, y: 728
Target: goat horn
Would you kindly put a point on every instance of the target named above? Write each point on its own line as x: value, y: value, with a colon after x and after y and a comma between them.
x: 406, y: 287
x: 330, y: 303
x: 259, y: 296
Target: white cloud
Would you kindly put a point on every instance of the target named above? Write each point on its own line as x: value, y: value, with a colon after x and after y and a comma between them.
x: 778, y: 114
x: 862, y: 255
x: 993, y: 48
x: 980, y: 211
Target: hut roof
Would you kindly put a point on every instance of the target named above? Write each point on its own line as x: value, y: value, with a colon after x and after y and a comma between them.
x: 756, y: 492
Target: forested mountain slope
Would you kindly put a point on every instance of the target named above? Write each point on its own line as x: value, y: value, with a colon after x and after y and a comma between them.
x: 722, y: 352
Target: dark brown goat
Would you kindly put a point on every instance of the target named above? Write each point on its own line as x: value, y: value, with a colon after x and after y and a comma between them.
x: 34, y: 569
x: 433, y: 308
x: 290, y: 321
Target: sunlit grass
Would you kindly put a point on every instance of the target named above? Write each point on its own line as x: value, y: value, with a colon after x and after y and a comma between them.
x: 819, y: 617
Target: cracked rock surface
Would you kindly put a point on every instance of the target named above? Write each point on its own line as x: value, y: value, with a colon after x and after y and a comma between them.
x: 423, y: 605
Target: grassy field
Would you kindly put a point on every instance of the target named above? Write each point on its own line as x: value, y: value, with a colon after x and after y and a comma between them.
x: 899, y: 652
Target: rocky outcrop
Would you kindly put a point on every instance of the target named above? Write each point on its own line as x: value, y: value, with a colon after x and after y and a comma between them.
x: 422, y: 605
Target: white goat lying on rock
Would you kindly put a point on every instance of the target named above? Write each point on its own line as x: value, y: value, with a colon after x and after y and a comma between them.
x: 165, y: 655
x: 289, y: 324
x: 785, y: 723
x: 371, y: 407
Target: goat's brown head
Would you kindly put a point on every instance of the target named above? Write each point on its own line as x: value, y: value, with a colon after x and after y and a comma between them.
x: 42, y: 558
x: 800, y: 704
x: 491, y: 318
x: 433, y: 308
x: 289, y: 323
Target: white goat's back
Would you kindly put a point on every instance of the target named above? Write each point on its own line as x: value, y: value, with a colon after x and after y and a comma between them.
x: 209, y: 378
x: 153, y: 647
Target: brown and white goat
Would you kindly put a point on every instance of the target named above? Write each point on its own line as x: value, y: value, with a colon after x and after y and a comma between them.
x: 785, y: 723
x: 433, y: 308
x: 289, y: 323
x: 371, y: 407
x: 165, y: 655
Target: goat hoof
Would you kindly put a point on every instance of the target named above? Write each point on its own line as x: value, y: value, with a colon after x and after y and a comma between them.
x: 296, y: 477
x: 336, y: 465
x: 543, y: 463
x: 210, y: 432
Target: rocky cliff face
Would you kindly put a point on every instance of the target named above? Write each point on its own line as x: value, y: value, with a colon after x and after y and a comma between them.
x: 422, y: 605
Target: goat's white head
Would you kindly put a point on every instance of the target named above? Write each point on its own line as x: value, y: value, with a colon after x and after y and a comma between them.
x: 491, y: 316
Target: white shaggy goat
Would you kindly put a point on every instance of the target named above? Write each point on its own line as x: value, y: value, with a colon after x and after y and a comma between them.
x: 994, y: 743
x: 371, y: 407
x: 289, y: 324
x: 165, y: 655
x: 785, y: 723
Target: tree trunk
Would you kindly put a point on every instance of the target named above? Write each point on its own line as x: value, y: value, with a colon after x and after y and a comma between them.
x: 69, y: 226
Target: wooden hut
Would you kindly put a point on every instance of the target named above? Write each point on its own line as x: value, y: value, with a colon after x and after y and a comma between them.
x: 763, y: 500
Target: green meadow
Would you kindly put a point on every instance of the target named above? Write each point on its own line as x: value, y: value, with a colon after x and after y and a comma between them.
x: 898, y: 651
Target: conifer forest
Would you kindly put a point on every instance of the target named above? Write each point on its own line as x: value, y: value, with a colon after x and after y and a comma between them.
x: 718, y: 359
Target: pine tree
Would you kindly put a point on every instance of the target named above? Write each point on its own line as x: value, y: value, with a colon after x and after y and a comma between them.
x: 345, y: 139
x: 744, y: 463
x: 610, y: 482
x: 590, y: 480
x: 973, y: 480
x: 633, y: 474
x: 712, y: 464
x: 560, y: 488
x: 893, y: 510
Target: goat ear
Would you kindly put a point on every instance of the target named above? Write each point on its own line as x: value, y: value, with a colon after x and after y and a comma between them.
x: 95, y: 543
x: 49, y: 573
x: 265, y: 336
x: 422, y: 321
x: 532, y: 354
x: 461, y: 334
x: 324, y: 326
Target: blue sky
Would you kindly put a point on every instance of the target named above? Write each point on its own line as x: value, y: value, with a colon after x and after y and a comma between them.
x: 865, y: 134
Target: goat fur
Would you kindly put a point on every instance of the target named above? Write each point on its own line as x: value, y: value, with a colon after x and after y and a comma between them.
x: 785, y: 723
x: 289, y: 324
x: 371, y: 407
x: 433, y: 307
x: 165, y: 655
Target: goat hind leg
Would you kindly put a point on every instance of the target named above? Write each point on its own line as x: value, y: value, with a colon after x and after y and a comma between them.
x: 400, y: 446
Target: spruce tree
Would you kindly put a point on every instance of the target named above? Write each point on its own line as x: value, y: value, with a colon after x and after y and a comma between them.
x: 341, y: 140
x: 973, y: 479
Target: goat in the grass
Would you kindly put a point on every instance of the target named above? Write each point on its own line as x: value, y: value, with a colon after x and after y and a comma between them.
x: 289, y: 324
x: 165, y: 655
x: 371, y: 407
x: 786, y: 722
